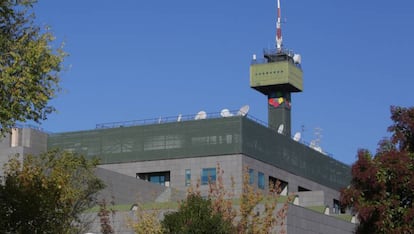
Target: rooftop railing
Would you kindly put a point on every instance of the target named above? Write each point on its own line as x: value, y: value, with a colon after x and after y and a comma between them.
x: 168, y: 119
x: 274, y: 52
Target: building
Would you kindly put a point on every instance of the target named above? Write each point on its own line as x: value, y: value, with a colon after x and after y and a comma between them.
x: 23, y: 140
x: 176, y: 152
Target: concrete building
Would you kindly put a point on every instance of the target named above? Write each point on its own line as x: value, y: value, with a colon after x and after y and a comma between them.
x: 21, y: 141
x: 164, y: 156
x: 156, y: 161
x: 177, y: 152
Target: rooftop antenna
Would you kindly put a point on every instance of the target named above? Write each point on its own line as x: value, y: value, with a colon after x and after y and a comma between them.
x: 315, y: 143
x: 201, y: 115
x: 278, y: 29
x: 225, y: 113
x: 297, y: 136
x: 243, y: 110
x: 280, y: 129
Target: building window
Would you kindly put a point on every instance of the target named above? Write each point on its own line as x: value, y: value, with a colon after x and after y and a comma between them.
x: 161, y: 178
x: 302, y: 189
x: 261, y: 180
x: 251, y: 176
x: 278, y: 185
x: 208, y: 175
x: 187, y: 177
x: 337, y: 209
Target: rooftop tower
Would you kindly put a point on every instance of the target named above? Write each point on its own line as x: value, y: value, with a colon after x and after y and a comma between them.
x: 278, y: 75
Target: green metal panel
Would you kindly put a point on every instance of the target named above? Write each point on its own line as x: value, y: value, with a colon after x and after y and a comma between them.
x: 282, y: 75
x: 154, y: 142
x: 208, y: 137
x: 267, y: 145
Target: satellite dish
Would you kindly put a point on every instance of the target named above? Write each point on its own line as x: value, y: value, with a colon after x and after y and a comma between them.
x: 280, y: 129
x: 297, y: 58
x: 297, y: 136
x: 318, y: 148
x: 179, y: 118
x: 243, y: 110
x: 201, y: 115
x: 225, y: 113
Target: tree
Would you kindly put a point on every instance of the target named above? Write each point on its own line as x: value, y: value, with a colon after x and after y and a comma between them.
x: 29, y: 66
x: 196, y: 215
x: 47, y: 193
x: 382, y: 186
x: 256, y: 212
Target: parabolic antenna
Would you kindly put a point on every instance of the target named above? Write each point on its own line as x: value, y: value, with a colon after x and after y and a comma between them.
x: 201, y: 115
x: 297, y: 136
x: 297, y: 58
x: 280, y: 129
x: 225, y: 113
x: 243, y: 110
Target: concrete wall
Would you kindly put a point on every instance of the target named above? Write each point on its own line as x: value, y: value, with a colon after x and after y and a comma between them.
x: 231, y: 165
x: 294, y: 181
x: 22, y: 141
x: 301, y: 220
x: 123, y: 189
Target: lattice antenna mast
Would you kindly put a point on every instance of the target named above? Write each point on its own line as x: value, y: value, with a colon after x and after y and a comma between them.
x: 278, y: 29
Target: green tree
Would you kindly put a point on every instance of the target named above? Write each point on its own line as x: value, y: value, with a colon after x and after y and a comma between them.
x: 47, y: 193
x: 382, y: 186
x: 29, y: 66
x: 196, y: 215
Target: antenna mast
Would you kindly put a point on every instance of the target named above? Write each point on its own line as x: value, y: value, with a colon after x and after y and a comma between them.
x: 278, y: 29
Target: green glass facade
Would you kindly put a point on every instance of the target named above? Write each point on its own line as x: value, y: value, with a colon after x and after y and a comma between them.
x: 201, y: 138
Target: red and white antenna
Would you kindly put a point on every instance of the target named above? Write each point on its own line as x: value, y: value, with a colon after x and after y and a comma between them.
x: 278, y: 29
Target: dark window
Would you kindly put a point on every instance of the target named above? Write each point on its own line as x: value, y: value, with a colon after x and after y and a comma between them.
x: 278, y: 184
x: 337, y: 209
x: 162, y: 178
x: 302, y: 189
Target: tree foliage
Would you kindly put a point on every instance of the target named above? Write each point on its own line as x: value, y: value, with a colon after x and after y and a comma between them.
x: 29, y: 66
x: 47, y: 193
x: 254, y: 212
x: 196, y: 215
x: 382, y: 186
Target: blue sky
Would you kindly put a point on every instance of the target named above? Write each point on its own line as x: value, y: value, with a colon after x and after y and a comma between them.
x: 132, y: 60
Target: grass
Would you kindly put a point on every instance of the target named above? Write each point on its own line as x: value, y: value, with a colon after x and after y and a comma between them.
x: 162, y: 205
x: 345, y: 217
x: 319, y: 209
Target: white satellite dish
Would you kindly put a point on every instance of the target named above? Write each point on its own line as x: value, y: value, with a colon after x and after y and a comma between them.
x: 179, y: 118
x: 297, y: 136
x: 318, y: 148
x: 225, y: 113
x: 201, y: 115
x: 243, y: 110
x: 297, y: 58
x: 280, y: 129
